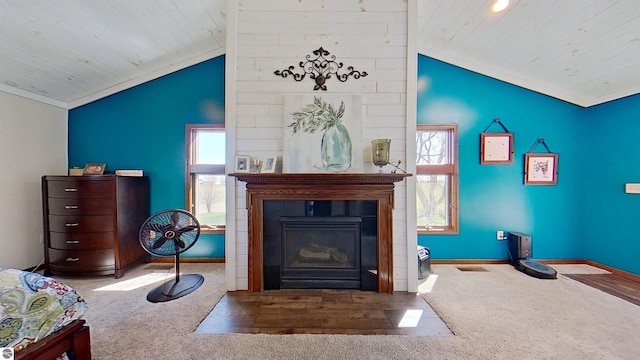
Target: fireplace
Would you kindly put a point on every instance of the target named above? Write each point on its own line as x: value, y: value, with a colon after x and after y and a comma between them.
x: 290, y: 191
x: 320, y: 253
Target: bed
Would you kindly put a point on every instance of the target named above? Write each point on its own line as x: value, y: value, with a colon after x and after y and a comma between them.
x: 41, y: 318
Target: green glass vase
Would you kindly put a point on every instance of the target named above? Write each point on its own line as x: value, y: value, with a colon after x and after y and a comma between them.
x: 336, y: 148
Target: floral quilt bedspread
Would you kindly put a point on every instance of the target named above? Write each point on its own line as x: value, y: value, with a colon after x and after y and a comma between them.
x: 33, y: 306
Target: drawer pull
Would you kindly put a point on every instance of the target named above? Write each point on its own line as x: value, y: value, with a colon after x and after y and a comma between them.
x: 70, y: 189
x: 71, y: 224
x: 70, y: 259
x: 73, y: 241
x: 71, y: 206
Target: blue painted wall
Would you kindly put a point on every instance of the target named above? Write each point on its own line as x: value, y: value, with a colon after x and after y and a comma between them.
x: 144, y: 128
x: 493, y: 197
x: 586, y: 216
x: 612, y: 153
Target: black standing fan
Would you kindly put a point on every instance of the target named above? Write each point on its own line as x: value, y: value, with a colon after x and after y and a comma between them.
x: 168, y: 233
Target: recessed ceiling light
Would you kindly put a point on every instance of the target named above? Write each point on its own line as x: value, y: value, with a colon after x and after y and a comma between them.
x: 499, y: 5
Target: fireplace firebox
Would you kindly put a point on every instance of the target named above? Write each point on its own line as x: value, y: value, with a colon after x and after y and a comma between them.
x: 320, y: 253
x: 320, y: 244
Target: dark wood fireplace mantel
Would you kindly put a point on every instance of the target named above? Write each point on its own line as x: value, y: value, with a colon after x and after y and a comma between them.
x: 372, y: 186
x: 310, y: 179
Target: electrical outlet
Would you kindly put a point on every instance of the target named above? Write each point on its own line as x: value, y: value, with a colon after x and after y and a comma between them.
x: 500, y: 235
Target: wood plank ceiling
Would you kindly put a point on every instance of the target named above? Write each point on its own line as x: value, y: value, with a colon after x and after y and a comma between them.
x: 71, y: 52
x: 76, y: 51
x: 582, y: 51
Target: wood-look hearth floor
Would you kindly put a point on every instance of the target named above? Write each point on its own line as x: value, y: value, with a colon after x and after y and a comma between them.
x: 323, y: 312
x: 613, y: 284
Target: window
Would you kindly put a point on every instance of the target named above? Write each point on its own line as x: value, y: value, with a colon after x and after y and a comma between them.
x: 437, y: 179
x: 206, y: 175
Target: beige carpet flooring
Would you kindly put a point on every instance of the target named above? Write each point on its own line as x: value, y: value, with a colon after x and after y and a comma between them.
x: 497, y: 314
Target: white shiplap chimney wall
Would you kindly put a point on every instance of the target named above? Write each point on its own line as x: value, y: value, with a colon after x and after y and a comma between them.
x: 371, y: 36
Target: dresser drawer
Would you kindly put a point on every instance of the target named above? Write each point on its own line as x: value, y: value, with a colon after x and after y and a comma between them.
x: 88, y: 260
x: 80, y: 206
x: 70, y: 189
x: 81, y: 241
x: 79, y: 223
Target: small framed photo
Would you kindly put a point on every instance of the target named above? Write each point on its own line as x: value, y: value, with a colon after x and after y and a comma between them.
x: 269, y: 164
x: 496, y: 148
x: 94, y: 169
x: 540, y: 169
x: 243, y: 164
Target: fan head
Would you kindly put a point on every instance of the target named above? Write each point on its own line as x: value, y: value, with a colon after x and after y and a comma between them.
x: 169, y: 232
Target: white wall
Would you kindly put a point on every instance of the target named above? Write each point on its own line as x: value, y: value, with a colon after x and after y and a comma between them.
x: 369, y: 35
x: 33, y: 142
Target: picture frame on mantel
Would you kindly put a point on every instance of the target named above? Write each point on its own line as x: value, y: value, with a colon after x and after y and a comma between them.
x: 496, y: 148
x: 269, y: 165
x: 242, y: 164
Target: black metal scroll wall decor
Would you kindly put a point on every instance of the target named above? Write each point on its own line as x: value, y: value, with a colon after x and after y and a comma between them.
x: 320, y: 68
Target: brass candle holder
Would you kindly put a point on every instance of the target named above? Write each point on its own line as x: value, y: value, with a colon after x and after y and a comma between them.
x: 380, y: 152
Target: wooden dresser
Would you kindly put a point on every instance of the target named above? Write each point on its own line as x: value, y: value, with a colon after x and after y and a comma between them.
x: 91, y: 223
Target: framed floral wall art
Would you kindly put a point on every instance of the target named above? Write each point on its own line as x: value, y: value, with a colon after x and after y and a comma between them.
x: 323, y: 134
x: 540, y: 169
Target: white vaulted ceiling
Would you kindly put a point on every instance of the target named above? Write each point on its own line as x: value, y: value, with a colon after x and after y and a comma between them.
x: 582, y: 51
x: 71, y: 52
x: 76, y: 51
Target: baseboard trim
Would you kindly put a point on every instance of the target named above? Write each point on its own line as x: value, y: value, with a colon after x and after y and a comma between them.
x: 624, y: 274
x: 469, y: 261
x: 188, y: 260
x: 33, y: 268
x: 560, y: 262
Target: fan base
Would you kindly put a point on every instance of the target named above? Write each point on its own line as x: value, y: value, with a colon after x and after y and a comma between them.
x: 173, y: 289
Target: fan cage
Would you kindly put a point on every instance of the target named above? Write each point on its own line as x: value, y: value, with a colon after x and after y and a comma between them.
x: 158, y: 224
